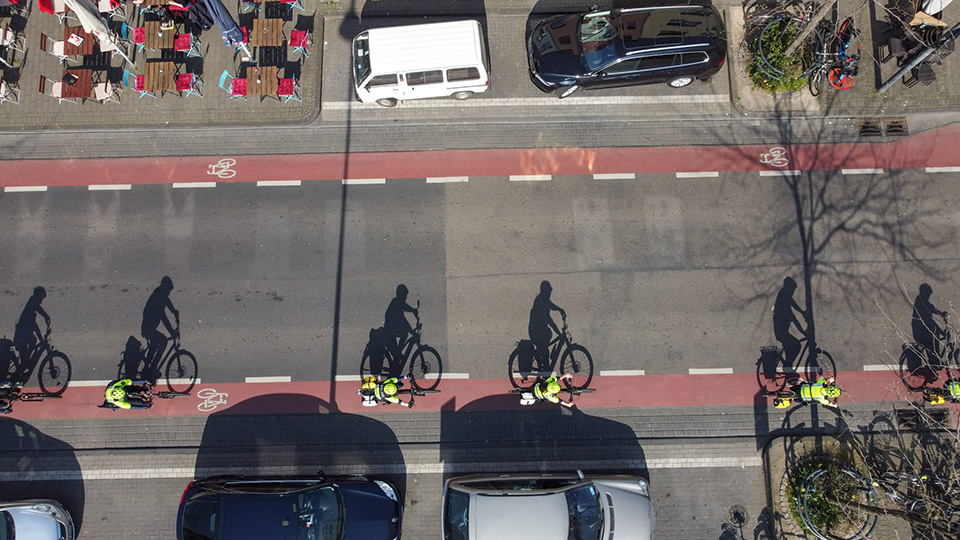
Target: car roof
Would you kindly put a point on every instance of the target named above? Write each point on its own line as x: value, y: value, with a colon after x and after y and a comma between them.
x: 644, y: 28
x: 425, y: 46
x: 520, y: 517
x: 257, y: 515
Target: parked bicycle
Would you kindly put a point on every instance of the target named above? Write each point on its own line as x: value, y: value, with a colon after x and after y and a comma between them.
x: 424, y: 367
x: 920, y: 367
x: 53, y: 367
x: 145, y: 395
x: 834, y: 61
x: 917, y: 498
x: 179, y: 365
x: 11, y: 392
x: 574, y: 359
x: 527, y: 396
x: 773, y: 371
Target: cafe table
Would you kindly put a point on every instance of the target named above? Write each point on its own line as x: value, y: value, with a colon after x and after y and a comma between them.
x: 156, y: 38
x: 262, y: 81
x: 71, y: 49
x: 160, y: 77
x: 81, y: 87
x: 267, y: 33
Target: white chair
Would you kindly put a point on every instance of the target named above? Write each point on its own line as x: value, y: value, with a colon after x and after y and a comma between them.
x: 60, y: 8
x: 108, y: 6
x: 54, y: 89
x: 52, y: 46
x: 9, y: 93
x: 12, y: 40
x: 106, y: 92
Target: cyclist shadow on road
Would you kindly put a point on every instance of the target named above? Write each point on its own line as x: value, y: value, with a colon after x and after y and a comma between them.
x: 473, y: 439
x: 30, y: 456
x: 264, y: 434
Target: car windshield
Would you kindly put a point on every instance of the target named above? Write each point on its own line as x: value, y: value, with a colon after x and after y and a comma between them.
x: 455, y: 516
x: 319, y: 515
x: 201, y: 518
x: 583, y: 507
x: 597, y: 36
x: 361, y: 58
x: 6, y: 526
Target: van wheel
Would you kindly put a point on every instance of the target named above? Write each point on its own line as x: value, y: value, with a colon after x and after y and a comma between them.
x: 462, y: 95
x: 387, y: 102
x: 568, y: 91
x: 680, y: 82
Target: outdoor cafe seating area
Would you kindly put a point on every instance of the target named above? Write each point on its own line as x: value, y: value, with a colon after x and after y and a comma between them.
x: 110, y: 51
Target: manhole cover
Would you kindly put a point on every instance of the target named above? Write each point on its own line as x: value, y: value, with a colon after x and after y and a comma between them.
x: 737, y: 516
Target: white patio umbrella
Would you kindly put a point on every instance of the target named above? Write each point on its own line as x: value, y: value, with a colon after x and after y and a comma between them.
x: 89, y: 17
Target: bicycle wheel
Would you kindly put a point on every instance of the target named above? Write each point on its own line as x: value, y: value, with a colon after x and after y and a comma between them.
x: 182, y: 371
x: 820, y: 364
x: 426, y: 368
x: 815, y: 82
x: 770, y: 375
x: 521, y: 377
x: 577, y: 362
x: 55, y: 374
x: 915, y: 372
x: 840, y: 80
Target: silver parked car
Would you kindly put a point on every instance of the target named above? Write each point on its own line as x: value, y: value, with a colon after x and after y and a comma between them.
x: 39, y: 519
x: 547, y: 507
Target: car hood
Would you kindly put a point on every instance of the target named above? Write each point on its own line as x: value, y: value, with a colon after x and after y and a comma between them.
x: 549, y: 58
x: 370, y: 514
x: 34, y: 525
x: 632, y: 511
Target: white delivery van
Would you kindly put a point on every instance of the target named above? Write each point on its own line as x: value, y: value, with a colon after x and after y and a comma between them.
x: 420, y: 61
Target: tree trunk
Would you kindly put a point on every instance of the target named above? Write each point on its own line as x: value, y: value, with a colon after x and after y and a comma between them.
x: 814, y: 21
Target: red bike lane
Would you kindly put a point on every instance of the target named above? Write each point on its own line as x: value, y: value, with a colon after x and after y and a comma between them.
x: 644, y: 391
x: 934, y: 148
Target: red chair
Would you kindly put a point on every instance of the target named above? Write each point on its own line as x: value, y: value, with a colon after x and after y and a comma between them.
x: 186, y: 43
x: 238, y: 88
x: 300, y: 41
x: 187, y: 82
x: 289, y: 89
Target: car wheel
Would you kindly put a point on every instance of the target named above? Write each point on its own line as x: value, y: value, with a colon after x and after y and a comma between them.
x: 680, y: 82
x: 568, y: 91
x: 462, y: 95
x: 387, y: 102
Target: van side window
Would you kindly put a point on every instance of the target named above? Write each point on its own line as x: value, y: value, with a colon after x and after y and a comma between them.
x: 383, y: 80
x: 694, y: 58
x: 659, y: 61
x: 424, y: 77
x: 463, y: 74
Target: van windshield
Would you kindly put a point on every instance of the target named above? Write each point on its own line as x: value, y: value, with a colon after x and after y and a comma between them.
x: 361, y: 58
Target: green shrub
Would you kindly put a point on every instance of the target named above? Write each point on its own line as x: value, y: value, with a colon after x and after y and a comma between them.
x: 775, y: 41
x: 831, y: 486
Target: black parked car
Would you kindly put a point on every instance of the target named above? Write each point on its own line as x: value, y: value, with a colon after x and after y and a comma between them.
x: 321, y: 508
x: 673, y: 44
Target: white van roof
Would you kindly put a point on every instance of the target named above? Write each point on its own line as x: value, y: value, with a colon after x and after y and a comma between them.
x: 425, y: 46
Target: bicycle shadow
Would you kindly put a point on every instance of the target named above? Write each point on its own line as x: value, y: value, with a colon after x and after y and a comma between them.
x: 299, y: 437
x: 41, y: 467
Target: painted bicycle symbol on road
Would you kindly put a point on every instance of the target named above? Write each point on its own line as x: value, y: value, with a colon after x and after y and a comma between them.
x: 211, y: 399
x: 222, y: 168
x: 776, y: 156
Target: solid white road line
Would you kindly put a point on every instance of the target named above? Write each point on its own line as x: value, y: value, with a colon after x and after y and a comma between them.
x: 101, y: 384
x: 177, y: 185
x: 780, y: 173
x: 880, y: 367
x: 530, y: 177
x: 278, y: 183
x: 702, y: 174
x: 942, y: 169
x: 23, y: 189
x: 363, y: 181
x: 161, y: 383
x: 615, y: 176
x: 710, y: 371
x: 356, y: 378
x: 861, y: 171
x: 447, y: 179
x: 266, y: 379
x: 622, y: 372
x: 109, y: 187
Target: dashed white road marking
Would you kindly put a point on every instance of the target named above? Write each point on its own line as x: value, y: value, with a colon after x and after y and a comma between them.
x: 530, y: 177
x: 942, y: 169
x: 109, y: 187
x: 356, y: 378
x: 23, y: 189
x: 447, y: 179
x: 861, y: 171
x: 161, y: 383
x: 278, y: 183
x: 780, y: 173
x: 700, y: 174
x: 711, y: 371
x: 277, y: 379
x: 363, y: 181
x: 90, y: 383
x: 178, y: 185
x: 615, y: 176
x: 622, y: 372
x: 880, y: 367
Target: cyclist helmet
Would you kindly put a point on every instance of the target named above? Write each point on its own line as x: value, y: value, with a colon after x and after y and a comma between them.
x: 390, y: 389
x: 831, y: 391
x: 553, y: 387
x: 117, y: 394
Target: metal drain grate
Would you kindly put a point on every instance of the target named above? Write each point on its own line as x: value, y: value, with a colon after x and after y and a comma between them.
x: 926, y: 420
x: 870, y: 127
x: 896, y: 126
x: 878, y: 127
